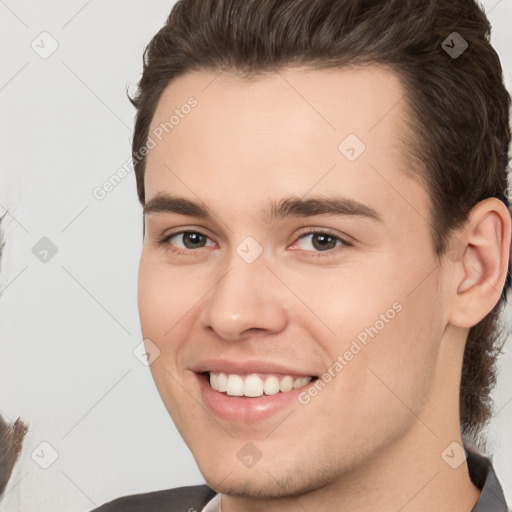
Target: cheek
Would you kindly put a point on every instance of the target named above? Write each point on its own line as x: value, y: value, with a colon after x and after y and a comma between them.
x: 397, y: 366
x: 339, y: 304
x: 384, y: 321
x: 165, y: 296
x: 164, y: 299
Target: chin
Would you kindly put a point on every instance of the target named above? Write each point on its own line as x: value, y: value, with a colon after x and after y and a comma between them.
x: 267, y: 482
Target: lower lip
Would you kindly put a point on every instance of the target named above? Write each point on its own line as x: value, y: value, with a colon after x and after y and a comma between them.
x: 242, y: 408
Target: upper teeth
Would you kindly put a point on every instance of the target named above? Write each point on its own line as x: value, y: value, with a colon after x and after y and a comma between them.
x: 253, y: 385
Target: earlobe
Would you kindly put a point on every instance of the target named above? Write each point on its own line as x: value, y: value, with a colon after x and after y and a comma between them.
x: 483, y: 265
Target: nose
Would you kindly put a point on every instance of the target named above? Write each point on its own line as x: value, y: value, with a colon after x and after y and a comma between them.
x: 245, y: 301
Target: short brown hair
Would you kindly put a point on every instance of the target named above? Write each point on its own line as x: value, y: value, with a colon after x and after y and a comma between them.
x: 459, y: 106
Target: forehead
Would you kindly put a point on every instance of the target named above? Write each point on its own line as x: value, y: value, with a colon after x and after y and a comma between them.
x: 285, y: 133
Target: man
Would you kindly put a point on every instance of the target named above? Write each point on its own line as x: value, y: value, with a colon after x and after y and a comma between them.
x: 326, y: 248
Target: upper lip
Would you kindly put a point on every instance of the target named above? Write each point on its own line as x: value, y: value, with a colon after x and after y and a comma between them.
x: 247, y: 367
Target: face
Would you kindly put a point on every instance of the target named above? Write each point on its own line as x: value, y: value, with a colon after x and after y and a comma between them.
x: 287, y: 258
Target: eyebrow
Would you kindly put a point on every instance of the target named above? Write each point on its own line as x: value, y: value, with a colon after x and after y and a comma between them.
x: 288, y: 207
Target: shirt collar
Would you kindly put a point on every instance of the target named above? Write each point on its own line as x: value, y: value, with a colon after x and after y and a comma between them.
x: 483, y: 476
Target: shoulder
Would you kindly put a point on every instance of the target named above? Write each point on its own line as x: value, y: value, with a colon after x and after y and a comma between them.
x: 482, y: 475
x: 182, y: 499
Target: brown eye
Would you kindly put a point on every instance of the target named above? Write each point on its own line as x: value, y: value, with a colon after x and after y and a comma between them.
x: 319, y: 241
x: 188, y: 240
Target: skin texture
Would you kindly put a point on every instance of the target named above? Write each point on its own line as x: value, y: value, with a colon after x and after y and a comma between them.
x: 372, y: 439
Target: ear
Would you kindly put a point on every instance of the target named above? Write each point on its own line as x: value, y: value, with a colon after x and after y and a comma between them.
x: 481, y: 264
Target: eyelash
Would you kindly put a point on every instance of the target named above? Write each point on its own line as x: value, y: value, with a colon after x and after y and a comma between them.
x: 164, y: 241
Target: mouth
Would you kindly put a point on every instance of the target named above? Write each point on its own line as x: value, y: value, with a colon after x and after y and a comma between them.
x: 255, y: 385
x: 250, y: 391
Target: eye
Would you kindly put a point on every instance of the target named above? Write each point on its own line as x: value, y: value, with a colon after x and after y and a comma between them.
x: 187, y: 240
x: 319, y: 241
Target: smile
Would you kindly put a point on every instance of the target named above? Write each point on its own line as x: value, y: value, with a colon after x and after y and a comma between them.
x: 255, y: 385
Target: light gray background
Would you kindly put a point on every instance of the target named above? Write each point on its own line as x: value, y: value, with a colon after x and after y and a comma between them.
x: 69, y: 326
